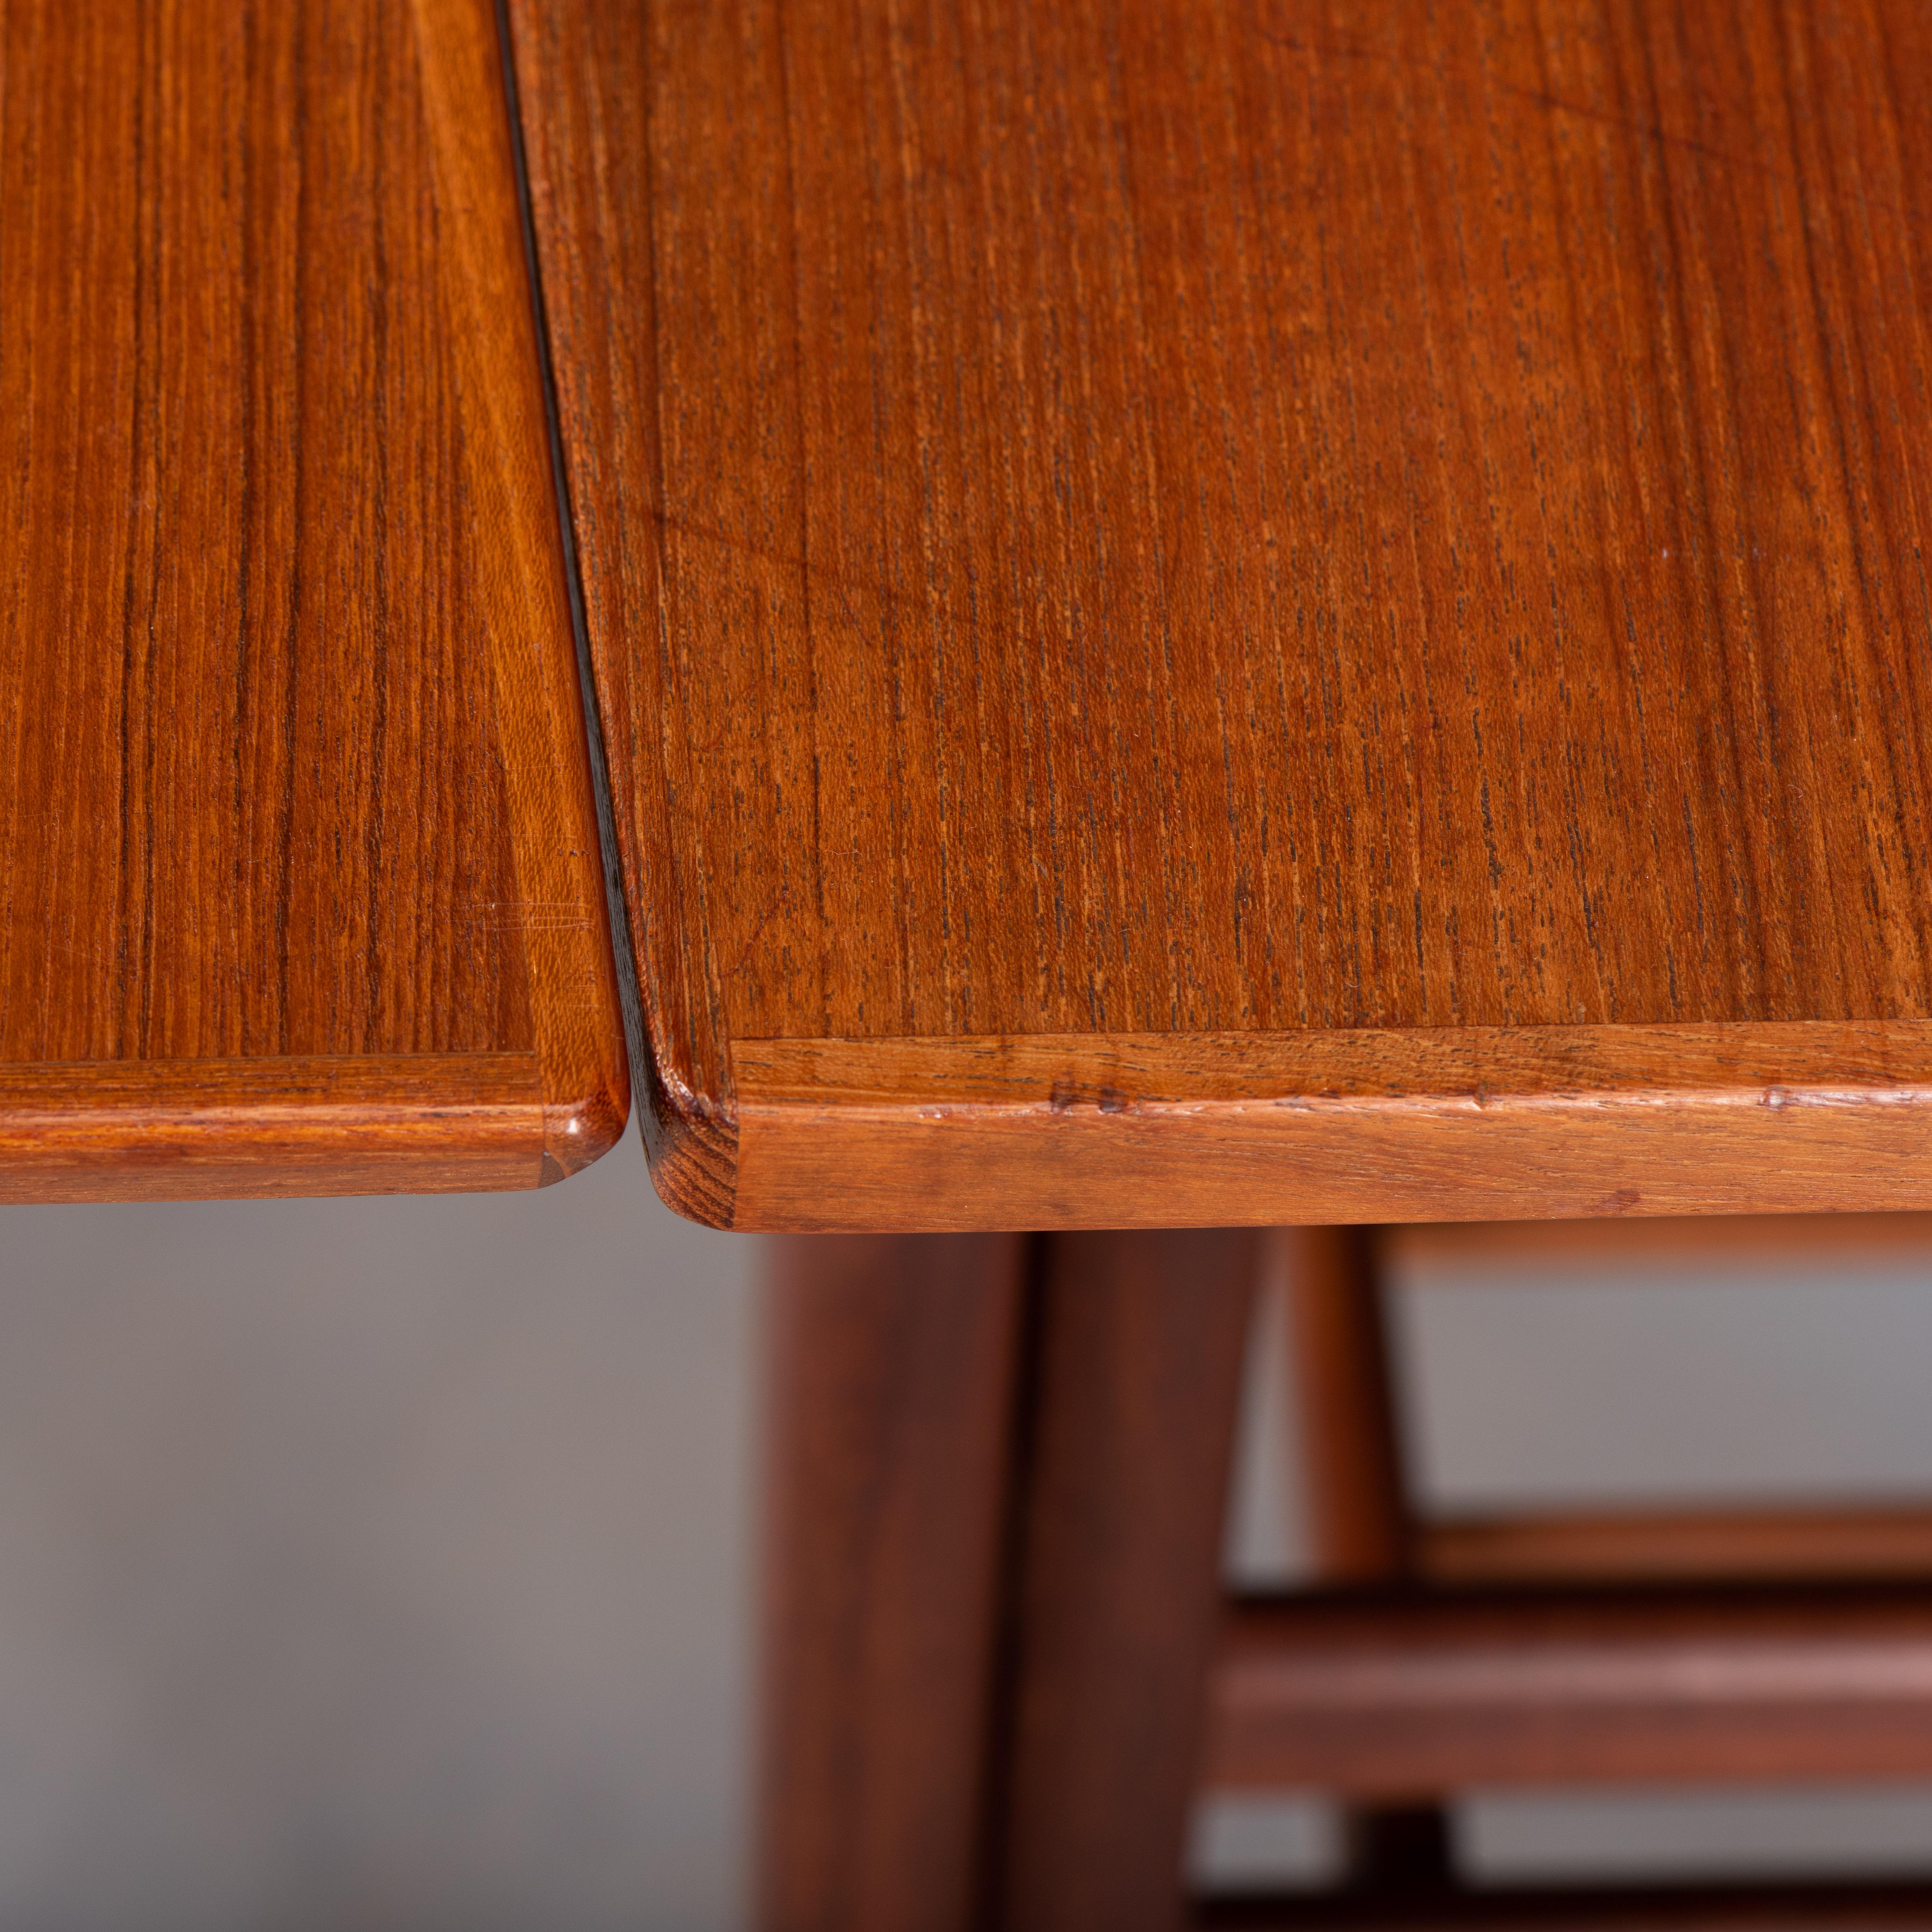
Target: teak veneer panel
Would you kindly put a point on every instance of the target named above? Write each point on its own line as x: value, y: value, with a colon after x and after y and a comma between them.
x: 299, y: 883
x: 1255, y: 537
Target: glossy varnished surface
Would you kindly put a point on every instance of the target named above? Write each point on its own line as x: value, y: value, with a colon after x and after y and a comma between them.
x: 299, y: 887
x: 1422, y: 1694
x: 1297, y: 521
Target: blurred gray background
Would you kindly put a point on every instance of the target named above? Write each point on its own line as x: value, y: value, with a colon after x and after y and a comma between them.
x: 391, y: 1563
x: 378, y: 1563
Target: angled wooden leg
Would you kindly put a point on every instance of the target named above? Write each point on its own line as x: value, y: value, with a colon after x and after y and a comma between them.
x: 892, y: 1385
x: 1134, y: 1382
x: 1361, y: 1527
x: 1349, y: 1468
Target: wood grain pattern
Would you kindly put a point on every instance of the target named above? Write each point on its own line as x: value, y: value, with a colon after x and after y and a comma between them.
x: 1278, y: 519
x: 1474, y: 1123
x: 299, y: 886
x: 136, y: 1129
x: 1427, y: 1694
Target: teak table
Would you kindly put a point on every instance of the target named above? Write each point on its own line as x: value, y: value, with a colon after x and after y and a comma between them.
x: 1201, y: 615
x: 1222, y: 612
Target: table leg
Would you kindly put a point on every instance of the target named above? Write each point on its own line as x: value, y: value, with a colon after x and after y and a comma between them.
x: 1134, y: 1381
x: 1350, y: 1465
x: 1361, y: 1528
x: 892, y: 1375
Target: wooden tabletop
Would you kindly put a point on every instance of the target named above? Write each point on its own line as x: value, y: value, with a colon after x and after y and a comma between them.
x: 1226, y: 610
x: 299, y: 885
